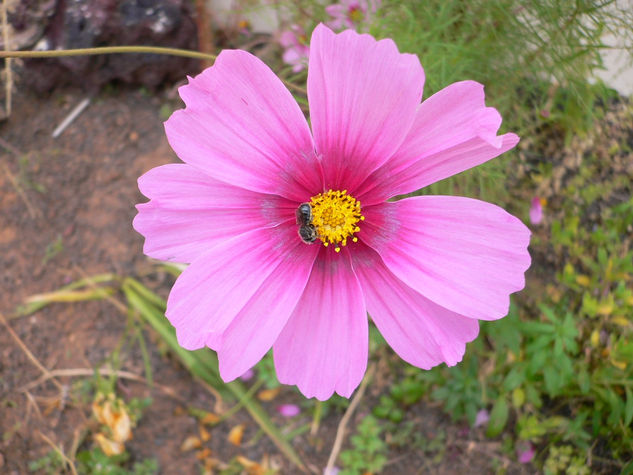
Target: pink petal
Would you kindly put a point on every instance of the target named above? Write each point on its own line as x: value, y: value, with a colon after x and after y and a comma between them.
x: 234, y: 279
x: 291, y: 55
x: 536, y: 211
x: 337, y: 23
x: 463, y: 254
x: 242, y: 126
x: 288, y: 410
x: 336, y: 10
x: 189, y: 212
x: 421, y: 332
x: 482, y: 418
x: 363, y: 95
x: 323, y: 347
x: 453, y: 131
x: 257, y: 325
x: 297, y: 56
x: 288, y: 39
x: 248, y: 375
x: 525, y: 452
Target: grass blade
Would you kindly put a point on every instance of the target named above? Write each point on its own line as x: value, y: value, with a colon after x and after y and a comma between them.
x: 203, y: 364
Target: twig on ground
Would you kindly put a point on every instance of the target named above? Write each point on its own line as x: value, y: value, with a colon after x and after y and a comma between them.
x: 7, y: 61
x: 10, y: 148
x: 74, y: 372
x: 71, y: 117
x: 59, y: 451
x: 79, y: 434
x: 340, y: 431
x: 33, y: 212
x: 28, y: 353
x: 31, y: 402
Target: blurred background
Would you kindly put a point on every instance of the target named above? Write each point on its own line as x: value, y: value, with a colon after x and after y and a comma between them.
x: 91, y: 378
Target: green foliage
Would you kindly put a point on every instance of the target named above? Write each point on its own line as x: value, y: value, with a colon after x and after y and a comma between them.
x: 565, y: 459
x: 369, y: 452
x: 52, y: 249
x: 534, y: 59
x: 510, y: 46
x: 97, y: 463
x: 557, y: 371
x: 458, y: 388
x: 51, y: 463
x: 266, y: 371
x: 498, y: 417
x: 403, y: 394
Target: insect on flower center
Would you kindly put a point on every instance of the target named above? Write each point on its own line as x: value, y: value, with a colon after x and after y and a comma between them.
x: 335, y: 215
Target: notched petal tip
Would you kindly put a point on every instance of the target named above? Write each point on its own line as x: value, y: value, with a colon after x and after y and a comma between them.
x: 466, y: 255
x: 320, y: 351
x: 363, y: 96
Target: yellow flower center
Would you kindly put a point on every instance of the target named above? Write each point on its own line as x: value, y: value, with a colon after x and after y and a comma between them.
x: 335, y: 216
x: 355, y: 14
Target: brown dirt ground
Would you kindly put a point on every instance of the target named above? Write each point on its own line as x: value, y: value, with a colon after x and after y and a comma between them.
x: 80, y: 190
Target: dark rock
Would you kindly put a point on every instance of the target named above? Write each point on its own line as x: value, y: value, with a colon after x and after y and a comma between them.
x: 92, y: 23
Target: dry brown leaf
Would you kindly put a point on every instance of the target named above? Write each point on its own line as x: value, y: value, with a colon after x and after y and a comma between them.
x: 204, y: 434
x: 236, y: 434
x: 245, y: 462
x: 268, y: 394
x: 190, y: 443
x: 210, y: 419
x: 109, y: 447
x: 116, y: 419
x: 252, y: 467
x: 203, y: 454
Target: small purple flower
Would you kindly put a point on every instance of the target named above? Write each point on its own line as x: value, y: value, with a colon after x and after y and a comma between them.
x: 288, y: 410
x: 525, y: 452
x: 482, y: 418
x: 536, y: 210
x: 296, y: 49
x: 351, y: 13
x: 248, y: 374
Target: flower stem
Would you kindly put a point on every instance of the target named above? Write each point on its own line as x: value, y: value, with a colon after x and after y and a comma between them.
x: 107, y: 50
x: 123, y: 49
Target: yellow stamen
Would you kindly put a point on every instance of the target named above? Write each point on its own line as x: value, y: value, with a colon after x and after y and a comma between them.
x: 355, y: 14
x: 335, y: 215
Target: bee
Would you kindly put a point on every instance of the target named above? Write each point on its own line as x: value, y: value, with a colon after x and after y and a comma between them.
x: 304, y: 214
x: 307, y: 231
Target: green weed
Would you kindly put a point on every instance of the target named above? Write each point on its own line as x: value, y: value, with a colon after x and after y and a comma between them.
x: 369, y: 452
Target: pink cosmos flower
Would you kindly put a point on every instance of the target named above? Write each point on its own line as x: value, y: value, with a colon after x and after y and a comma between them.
x: 296, y: 51
x: 426, y: 268
x: 351, y: 13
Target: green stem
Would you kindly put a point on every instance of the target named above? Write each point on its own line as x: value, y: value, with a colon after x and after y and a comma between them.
x: 107, y: 50
x: 123, y: 49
